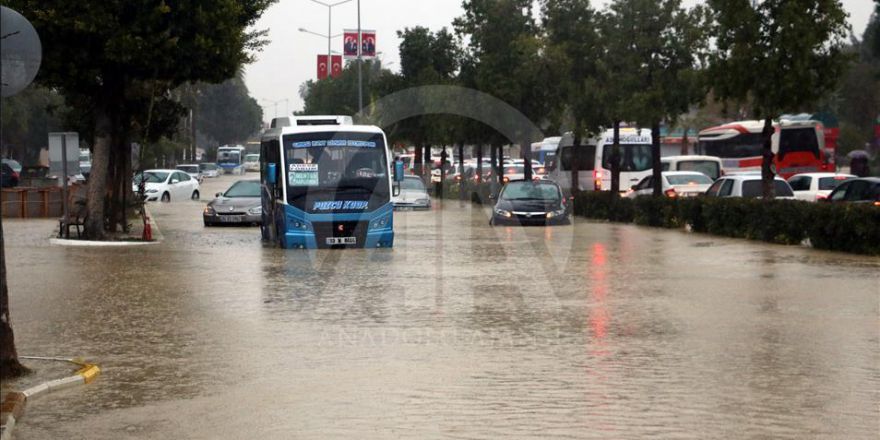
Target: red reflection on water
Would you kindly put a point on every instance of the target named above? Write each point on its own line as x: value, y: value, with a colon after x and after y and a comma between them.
x: 599, y: 318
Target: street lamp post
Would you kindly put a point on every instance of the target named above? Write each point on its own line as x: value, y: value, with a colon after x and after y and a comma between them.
x: 360, y: 62
x: 329, y: 35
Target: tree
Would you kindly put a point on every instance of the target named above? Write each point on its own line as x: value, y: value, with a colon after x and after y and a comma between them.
x: 783, y: 55
x: 573, y: 46
x: 125, y: 50
x: 666, y: 44
x: 26, y: 120
x: 505, y: 48
x: 226, y: 112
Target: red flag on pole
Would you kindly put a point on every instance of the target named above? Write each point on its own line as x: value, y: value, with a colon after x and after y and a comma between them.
x: 336, y: 66
x: 322, y: 67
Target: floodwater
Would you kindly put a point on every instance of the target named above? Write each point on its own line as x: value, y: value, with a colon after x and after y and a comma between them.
x: 461, y: 331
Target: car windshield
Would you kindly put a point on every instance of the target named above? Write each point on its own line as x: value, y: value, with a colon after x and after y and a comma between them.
x: 829, y: 183
x: 207, y: 166
x: 412, y: 184
x: 189, y: 169
x: 753, y: 188
x: 530, y: 191
x: 710, y: 168
x: 252, y: 158
x: 689, y: 179
x: 244, y: 188
x: 153, y: 177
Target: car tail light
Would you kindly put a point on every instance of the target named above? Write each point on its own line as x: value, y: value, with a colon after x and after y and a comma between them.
x: 506, y: 179
x: 597, y: 182
x: 821, y: 197
x: 15, y: 175
x: 671, y: 193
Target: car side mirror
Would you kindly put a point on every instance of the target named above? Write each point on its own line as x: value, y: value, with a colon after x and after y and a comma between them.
x: 219, y: 194
x: 633, y: 187
x: 493, y: 196
x: 398, y: 171
x: 271, y: 174
x: 173, y: 181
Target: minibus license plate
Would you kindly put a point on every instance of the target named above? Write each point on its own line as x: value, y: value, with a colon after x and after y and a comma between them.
x: 341, y: 240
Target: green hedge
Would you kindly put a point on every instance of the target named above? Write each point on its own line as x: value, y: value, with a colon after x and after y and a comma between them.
x: 841, y: 227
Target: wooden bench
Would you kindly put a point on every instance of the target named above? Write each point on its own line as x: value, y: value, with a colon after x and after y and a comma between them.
x: 77, y: 219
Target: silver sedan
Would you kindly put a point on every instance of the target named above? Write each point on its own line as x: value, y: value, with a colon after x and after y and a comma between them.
x: 240, y: 204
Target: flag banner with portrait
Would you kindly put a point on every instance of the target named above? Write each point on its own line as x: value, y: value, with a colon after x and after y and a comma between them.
x: 350, y: 44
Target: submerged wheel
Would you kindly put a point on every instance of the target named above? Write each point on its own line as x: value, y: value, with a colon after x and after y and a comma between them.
x: 195, y: 195
x: 166, y: 197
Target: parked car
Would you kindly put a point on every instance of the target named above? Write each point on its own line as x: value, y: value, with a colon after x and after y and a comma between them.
x: 708, y: 165
x: 413, y: 194
x: 167, y: 185
x: 209, y: 169
x: 748, y: 186
x: 536, y: 202
x: 9, y: 178
x: 14, y: 164
x: 240, y: 204
x: 674, y: 184
x: 859, y: 190
x: 252, y: 162
x: 193, y: 171
x: 816, y: 186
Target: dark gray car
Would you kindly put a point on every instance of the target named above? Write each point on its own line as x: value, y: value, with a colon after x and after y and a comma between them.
x: 238, y: 205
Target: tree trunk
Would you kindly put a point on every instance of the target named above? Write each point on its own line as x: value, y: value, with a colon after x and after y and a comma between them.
x: 574, y: 161
x: 615, y: 160
x: 9, y: 365
x: 417, y: 160
x: 480, y: 163
x: 461, y: 181
x: 429, y: 165
x: 655, y: 159
x: 767, y: 173
x: 94, y: 223
x: 685, y: 147
x: 493, y: 164
x: 526, y: 146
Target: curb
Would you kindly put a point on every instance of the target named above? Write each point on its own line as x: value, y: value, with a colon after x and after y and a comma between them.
x: 12, y: 407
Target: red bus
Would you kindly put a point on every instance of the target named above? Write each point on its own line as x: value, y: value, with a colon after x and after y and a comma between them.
x: 799, y: 146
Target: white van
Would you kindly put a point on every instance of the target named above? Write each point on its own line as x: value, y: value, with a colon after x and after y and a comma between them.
x: 594, y: 172
x: 708, y: 165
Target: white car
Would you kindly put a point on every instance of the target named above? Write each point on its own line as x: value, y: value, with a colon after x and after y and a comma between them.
x: 192, y: 170
x: 816, y: 186
x: 673, y: 184
x: 209, y: 169
x: 252, y: 162
x: 747, y: 185
x: 708, y: 165
x: 167, y: 185
x: 413, y: 194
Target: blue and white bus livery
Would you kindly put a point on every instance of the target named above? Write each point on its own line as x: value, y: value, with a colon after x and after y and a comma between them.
x: 327, y: 184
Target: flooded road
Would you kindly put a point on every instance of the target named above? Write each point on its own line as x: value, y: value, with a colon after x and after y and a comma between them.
x: 461, y: 331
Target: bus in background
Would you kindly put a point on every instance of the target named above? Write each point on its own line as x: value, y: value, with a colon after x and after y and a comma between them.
x: 594, y: 170
x: 799, y: 146
x: 231, y: 159
x: 327, y: 184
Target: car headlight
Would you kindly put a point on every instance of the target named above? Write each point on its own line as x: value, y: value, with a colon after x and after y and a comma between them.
x: 209, y: 210
x: 422, y: 202
x: 557, y: 213
x: 256, y: 210
x: 152, y: 191
x: 504, y: 213
x: 381, y: 222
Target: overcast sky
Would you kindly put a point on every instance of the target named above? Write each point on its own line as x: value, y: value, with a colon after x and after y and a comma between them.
x: 290, y: 57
